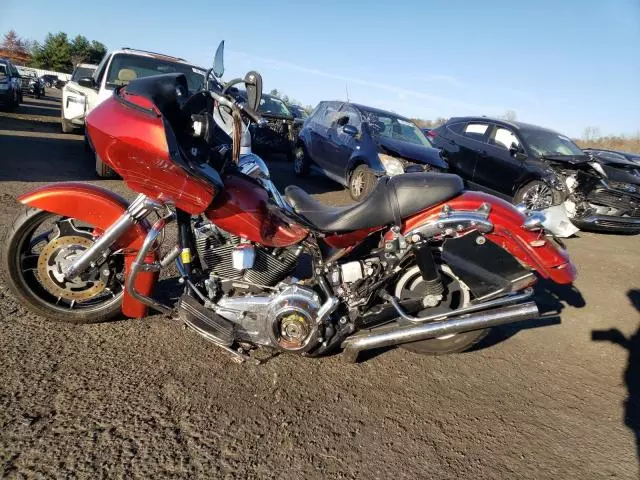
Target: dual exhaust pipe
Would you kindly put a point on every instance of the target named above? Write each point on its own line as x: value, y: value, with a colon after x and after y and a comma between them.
x: 397, y: 335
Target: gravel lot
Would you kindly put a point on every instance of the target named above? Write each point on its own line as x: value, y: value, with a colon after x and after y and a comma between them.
x: 148, y: 399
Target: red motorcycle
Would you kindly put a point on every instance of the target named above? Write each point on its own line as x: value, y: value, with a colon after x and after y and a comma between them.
x: 419, y: 263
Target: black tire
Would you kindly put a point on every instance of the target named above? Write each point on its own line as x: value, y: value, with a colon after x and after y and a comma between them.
x: 447, y: 344
x: 301, y: 161
x: 23, y: 226
x: 361, y: 182
x: 67, y: 126
x: 547, y: 195
x: 102, y: 169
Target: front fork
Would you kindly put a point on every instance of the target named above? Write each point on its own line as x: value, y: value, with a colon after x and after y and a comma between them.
x: 142, y: 271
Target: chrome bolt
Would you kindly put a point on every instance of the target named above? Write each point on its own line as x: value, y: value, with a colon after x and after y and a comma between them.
x: 481, y: 240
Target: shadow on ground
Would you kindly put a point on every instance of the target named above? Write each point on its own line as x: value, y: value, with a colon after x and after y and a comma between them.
x: 631, y: 375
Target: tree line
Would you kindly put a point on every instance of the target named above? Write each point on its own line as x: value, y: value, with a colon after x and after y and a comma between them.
x: 57, y: 52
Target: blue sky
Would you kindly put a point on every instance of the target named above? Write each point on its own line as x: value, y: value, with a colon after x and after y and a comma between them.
x: 563, y: 64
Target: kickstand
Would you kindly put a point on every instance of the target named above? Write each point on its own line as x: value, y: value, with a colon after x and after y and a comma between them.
x: 239, y: 357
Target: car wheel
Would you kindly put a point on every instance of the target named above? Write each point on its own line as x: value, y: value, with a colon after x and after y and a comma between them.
x: 361, y: 182
x: 301, y: 162
x: 536, y: 195
x: 102, y: 169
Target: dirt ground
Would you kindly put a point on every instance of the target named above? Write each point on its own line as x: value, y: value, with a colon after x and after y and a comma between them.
x: 148, y: 399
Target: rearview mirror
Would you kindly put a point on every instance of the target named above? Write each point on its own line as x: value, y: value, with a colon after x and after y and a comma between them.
x: 218, y: 61
x: 350, y: 130
x: 86, y: 82
x: 515, y: 149
x: 253, y: 86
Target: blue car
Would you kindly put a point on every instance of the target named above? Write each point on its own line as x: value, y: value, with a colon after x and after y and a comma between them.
x: 356, y: 145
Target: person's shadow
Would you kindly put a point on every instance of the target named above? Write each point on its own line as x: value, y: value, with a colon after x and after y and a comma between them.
x: 632, y: 372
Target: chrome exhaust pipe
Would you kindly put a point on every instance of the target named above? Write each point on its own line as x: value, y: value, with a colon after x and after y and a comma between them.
x: 397, y: 335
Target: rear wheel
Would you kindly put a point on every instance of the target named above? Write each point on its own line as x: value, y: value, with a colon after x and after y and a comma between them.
x: 456, y: 295
x: 361, y: 182
x: 38, y: 248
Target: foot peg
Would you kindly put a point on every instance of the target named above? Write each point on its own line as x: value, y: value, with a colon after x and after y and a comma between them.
x: 210, y: 325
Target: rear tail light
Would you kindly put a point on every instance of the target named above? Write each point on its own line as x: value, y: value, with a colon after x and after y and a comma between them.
x: 432, y: 134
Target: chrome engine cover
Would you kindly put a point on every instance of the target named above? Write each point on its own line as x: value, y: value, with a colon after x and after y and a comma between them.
x: 287, y: 319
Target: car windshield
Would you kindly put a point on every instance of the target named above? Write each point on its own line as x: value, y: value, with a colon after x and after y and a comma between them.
x: 395, y: 128
x: 545, y: 143
x: 3, y: 70
x: 298, y: 112
x: 125, y: 68
x: 273, y: 105
x: 82, y: 72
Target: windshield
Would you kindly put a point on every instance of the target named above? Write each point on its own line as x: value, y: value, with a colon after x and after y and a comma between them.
x: 3, y: 70
x: 395, y: 128
x: 547, y: 143
x: 274, y: 106
x: 125, y: 68
x: 82, y: 72
x: 298, y: 112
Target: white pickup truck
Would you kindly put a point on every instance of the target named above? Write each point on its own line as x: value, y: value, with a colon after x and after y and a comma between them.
x: 119, y: 67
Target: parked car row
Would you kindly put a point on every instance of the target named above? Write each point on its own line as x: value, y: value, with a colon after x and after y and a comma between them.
x: 525, y: 164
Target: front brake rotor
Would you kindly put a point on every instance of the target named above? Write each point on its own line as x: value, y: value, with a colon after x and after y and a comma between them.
x: 55, y: 257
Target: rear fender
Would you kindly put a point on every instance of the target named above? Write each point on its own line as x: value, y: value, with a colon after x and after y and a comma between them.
x: 100, y: 208
x: 538, y: 252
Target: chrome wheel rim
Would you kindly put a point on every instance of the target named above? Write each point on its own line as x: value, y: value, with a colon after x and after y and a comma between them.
x: 34, y: 250
x: 298, y: 162
x: 357, y: 184
x: 538, y: 197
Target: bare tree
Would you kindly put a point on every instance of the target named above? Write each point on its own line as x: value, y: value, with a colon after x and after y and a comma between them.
x: 590, y: 133
x: 509, y: 115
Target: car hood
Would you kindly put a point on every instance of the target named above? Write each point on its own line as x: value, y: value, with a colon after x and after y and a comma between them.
x: 625, y: 174
x: 410, y: 151
x: 615, y: 162
x: 568, y: 159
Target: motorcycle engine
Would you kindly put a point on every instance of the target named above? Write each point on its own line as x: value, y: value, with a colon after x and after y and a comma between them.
x: 286, y: 319
x: 255, y: 266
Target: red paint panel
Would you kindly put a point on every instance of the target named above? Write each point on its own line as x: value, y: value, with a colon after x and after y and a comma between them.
x: 243, y: 209
x: 134, y: 143
x: 548, y: 260
x: 351, y: 239
x: 100, y: 208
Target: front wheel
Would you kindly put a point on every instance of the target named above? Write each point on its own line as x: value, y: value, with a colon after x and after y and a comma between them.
x: 301, y: 162
x: 456, y: 295
x: 536, y: 195
x: 361, y: 182
x: 39, y: 247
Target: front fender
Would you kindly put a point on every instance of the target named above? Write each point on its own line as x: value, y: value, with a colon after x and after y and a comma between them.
x: 99, y: 208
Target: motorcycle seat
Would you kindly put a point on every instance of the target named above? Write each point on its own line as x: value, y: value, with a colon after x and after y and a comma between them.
x: 399, y: 196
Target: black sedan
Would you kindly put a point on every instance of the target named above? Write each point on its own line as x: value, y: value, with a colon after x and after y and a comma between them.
x: 355, y: 145
x: 541, y: 168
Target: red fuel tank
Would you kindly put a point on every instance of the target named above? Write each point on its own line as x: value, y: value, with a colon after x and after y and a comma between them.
x: 243, y: 209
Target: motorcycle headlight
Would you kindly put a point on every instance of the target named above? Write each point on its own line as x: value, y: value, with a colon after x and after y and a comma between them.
x: 392, y: 165
x: 627, y: 187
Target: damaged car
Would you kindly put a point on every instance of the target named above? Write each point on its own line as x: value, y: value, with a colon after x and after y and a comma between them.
x: 540, y: 168
x: 277, y: 135
x: 355, y: 145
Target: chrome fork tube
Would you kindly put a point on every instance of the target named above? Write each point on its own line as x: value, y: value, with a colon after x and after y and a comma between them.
x: 136, y: 212
x: 139, y: 265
